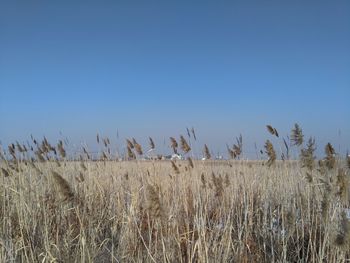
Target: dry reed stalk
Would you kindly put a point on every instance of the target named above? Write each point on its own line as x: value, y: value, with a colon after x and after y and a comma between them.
x: 270, y: 151
x: 343, y: 186
x: 230, y: 152
x: 190, y: 202
x: 19, y: 147
x: 80, y: 178
x: 330, y: 156
x: 227, y: 180
x: 63, y: 186
x: 82, y: 166
x: 343, y: 237
x: 237, y: 148
x: 206, y: 152
x: 103, y: 156
x: 39, y: 156
x: 2, y: 155
x: 190, y: 162
x: 297, y: 136
x: 184, y: 145
x: 5, y: 172
x: 218, y: 184
x: 175, y: 168
x: 154, y: 206
x: 131, y: 154
x: 98, y: 138
x: 37, y: 170
x: 203, y: 181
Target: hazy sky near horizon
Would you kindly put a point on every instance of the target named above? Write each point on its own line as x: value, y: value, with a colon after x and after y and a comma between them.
x: 153, y: 68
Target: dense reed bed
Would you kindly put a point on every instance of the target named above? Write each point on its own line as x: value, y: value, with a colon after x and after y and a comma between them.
x: 57, y: 210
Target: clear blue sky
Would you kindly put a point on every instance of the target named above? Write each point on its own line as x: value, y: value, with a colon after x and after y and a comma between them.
x: 153, y: 68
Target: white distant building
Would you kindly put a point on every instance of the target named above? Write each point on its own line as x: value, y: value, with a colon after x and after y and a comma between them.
x: 176, y: 157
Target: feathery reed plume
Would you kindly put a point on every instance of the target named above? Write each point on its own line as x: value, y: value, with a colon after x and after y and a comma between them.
x: 105, y: 142
x: 14, y: 166
x: 287, y: 147
x: 103, y: 156
x: 39, y: 156
x: 272, y: 130
x: 184, y: 145
x: 63, y: 186
x: 218, y: 184
x: 131, y: 154
x: 173, y: 144
x: 87, y: 153
x: 190, y: 162
x: 19, y: 147
x: 2, y: 156
x: 98, y: 138
x: 61, y: 150
x: 80, y: 177
x: 130, y: 144
x: 58, y: 163
x: 203, y: 180
x: 206, y: 152
x: 190, y: 202
x: 270, y: 151
x: 343, y: 237
x: 307, y: 157
x: 175, y: 168
x: 154, y: 206
x: 188, y: 133
x: 343, y: 185
x: 237, y: 148
x: 82, y: 166
x: 5, y: 172
x: 12, y: 150
x: 325, y: 202
x: 230, y: 152
x: 151, y: 143
x: 309, y: 177
x: 297, y: 136
x: 24, y: 148
x: 194, y: 134
x: 330, y: 156
x: 37, y: 170
x: 138, y: 148
x: 133, y: 140
x: 227, y: 180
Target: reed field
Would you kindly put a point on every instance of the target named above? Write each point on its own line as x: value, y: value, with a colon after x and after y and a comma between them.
x: 55, y: 207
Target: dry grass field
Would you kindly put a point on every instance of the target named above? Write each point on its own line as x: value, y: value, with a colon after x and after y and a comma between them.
x: 173, y: 211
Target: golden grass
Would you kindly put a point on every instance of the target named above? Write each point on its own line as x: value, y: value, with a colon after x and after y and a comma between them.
x: 56, y: 210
